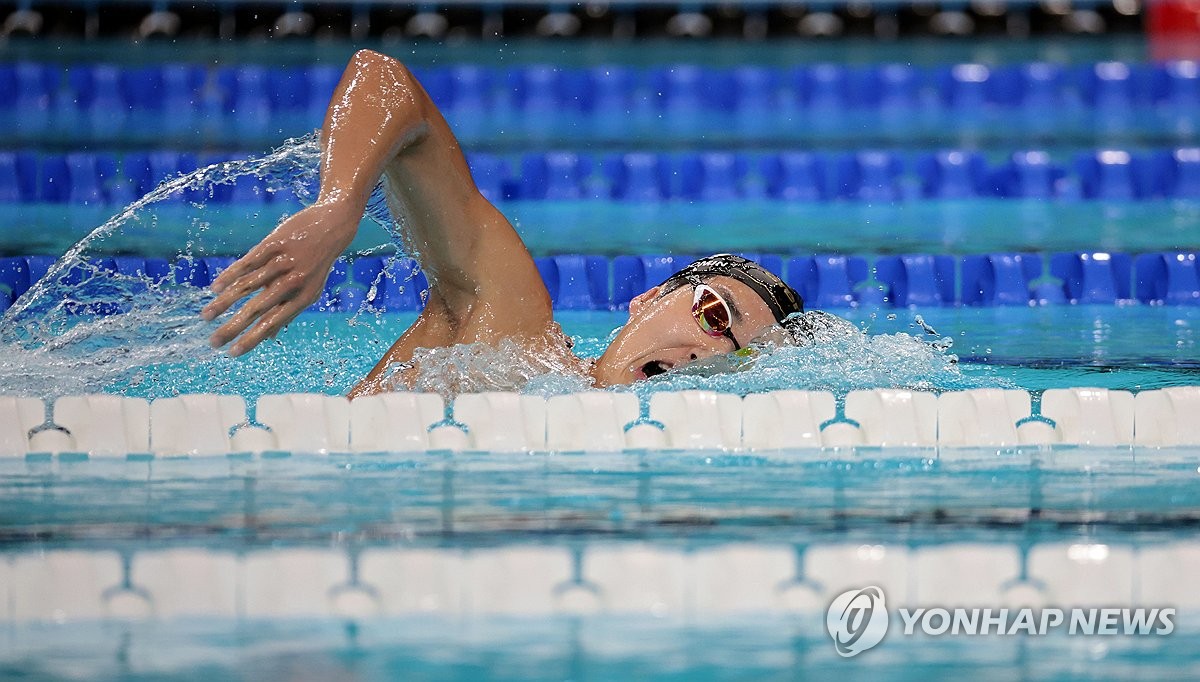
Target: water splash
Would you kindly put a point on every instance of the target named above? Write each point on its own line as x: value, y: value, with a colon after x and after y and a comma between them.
x: 840, y: 359
x: 93, y: 321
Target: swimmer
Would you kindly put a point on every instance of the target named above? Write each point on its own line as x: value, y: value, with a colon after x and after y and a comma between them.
x: 483, y: 284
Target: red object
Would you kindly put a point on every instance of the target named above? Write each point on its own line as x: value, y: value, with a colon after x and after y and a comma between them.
x: 1174, y: 29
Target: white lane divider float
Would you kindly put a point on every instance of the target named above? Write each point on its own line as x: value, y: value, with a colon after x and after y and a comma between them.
x: 205, y: 425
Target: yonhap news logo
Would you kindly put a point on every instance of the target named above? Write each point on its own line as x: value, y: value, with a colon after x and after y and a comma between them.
x: 858, y: 619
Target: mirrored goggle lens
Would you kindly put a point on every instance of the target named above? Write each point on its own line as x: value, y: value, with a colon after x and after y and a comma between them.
x: 711, y: 311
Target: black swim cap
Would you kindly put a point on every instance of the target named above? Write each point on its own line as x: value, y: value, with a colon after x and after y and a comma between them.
x: 779, y: 297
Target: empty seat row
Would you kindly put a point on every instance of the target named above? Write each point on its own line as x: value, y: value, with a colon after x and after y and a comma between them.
x: 588, y: 282
x: 200, y: 425
x: 678, y: 88
x: 108, y: 178
x: 868, y: 176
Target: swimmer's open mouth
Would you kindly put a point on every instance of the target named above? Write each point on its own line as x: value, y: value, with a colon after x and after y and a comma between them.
x: 656, y: 367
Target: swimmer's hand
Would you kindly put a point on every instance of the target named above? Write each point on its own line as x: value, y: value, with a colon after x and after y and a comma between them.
x: 288, y: 269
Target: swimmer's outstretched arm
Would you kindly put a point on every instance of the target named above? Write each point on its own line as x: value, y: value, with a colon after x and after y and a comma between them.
x: 380, y: 123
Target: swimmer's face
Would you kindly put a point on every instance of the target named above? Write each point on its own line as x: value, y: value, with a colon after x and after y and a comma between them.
x: 662, y: 334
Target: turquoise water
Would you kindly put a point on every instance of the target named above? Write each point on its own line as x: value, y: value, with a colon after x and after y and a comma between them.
x: 1135, y: 347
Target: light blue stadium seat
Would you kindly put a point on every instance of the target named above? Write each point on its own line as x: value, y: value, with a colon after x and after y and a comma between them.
x: 633, y: 275
x: 795, y: 176
x: 827, y: 281
x: 554, y: 175
x: 1172, y: 278
x: 953, y: 175
x: 575, y: 282
x: 1107, y: 175
x: 917, y: 279
x: 870, y: 176
x: 638, y: 176
x: 1094, y: 277
x: 712, y: 176
x: 1029, y: 175
x: 998, y: 278
x: 490, y: 173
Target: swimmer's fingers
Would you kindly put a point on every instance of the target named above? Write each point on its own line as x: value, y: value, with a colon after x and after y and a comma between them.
x: 254, y: 259
x: 281, y: 292
x: 236, y: 291
x: 268, y: 326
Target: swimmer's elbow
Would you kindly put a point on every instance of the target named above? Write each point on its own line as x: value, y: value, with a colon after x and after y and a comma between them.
x: 398, y: 85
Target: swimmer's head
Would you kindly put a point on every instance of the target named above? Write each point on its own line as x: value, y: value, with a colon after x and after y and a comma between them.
x: 712, y: 307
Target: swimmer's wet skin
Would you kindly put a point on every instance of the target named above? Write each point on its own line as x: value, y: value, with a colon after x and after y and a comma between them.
x: 483, y: 284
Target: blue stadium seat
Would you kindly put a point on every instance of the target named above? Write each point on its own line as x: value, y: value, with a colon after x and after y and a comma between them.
x: 392, y: 284
x: 147, y: 170
x: 1180, y: 85
x: 1041, y: 86
x: 537, y: 89
x: 953, y: 175
x: 192, y: 272
x: 54, y: 183
x: 632, y: 275
x: 917, y: 279
x: 683, y: 89
x: 158, y: 269
x: 895, y: 87
x: 1029, y: 175
x: 472, y: 87
x: 84, y: 181
x: 288, y: 88
x: 14, y: 280
x: 35, y: 88
x: 438, y: 84
x: 97, y: 87
x: 248, y: 99
x: 1094, y: 277
x: 490, y: 173
x: 11, y: 184
x: 965, y: 87
x: 575, y: 282
x: 827, y: 281
x: 215, y: 265
x: 554, y: 176
x: 1107, y: 175
x: 185, y: 271
x: 823, y: 87
x: 712, y: 176
x: 611, y: 90
x: 248, y: 190
x: 165, y: 87
x: 755, y: 89
x: 998, y: 279
x: 322, y: 81
x: 1182, y: 177
x: 8, y: 84
x: 795, y: 176
x: 1171, y: 278
x: 338, y: 295
x: 872, y: 176
x: 639, y: 176
x: 1107, y: 86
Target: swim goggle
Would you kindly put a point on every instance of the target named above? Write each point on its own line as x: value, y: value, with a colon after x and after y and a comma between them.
x: 713, y: 314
